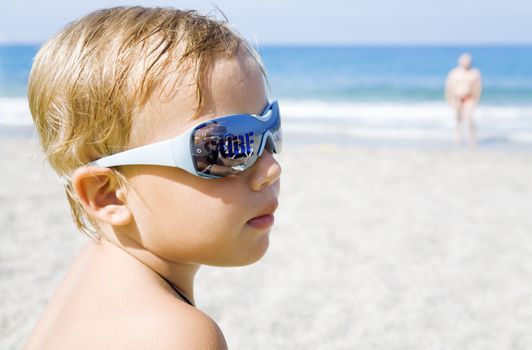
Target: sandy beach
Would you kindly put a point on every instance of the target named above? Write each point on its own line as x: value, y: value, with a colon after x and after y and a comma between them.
x: 372, y: 249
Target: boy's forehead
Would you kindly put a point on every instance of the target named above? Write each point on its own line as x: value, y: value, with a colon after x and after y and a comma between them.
x: 230, y: 86
x: 236, y: 86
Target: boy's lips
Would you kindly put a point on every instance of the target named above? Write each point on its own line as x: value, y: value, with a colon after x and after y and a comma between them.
x: 265, y: 219
x: 262, y: 222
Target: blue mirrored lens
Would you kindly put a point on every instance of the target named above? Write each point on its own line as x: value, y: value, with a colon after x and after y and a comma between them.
x: 228, y: 145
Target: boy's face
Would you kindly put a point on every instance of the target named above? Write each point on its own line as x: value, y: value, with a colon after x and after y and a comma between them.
x: 188, y: 219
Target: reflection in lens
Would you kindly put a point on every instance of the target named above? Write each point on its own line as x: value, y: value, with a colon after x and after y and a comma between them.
x: 229, y: 145
x: 220, y: 153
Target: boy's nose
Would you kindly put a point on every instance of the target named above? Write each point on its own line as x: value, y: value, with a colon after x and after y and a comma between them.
x: 265, y: 171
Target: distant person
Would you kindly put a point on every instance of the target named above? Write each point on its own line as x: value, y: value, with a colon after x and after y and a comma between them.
x: 462, y: 92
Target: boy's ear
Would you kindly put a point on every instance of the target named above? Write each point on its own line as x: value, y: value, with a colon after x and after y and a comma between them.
x: 101, y: 196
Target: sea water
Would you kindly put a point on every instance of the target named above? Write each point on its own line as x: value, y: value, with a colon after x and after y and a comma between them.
x: 392, y: 96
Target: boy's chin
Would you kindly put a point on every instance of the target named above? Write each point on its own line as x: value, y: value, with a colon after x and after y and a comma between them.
x: 258, y: 252
x: 253, y: 255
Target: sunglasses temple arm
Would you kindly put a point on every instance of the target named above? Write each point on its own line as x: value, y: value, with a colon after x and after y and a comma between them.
x: 159, y: 153
x: 164, y: 153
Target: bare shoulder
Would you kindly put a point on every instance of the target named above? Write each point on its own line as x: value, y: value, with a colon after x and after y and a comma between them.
x: 193, y: 329
x: 179, y: 327
x: 148, y: 325
x: 453, y: 73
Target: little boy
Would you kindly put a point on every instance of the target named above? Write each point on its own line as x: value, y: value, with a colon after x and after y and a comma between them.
x: 158, y: 122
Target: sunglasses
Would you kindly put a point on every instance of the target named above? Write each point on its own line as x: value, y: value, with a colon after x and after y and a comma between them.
x: 217, y: 148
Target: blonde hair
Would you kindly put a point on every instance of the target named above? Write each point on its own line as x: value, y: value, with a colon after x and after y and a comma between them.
x: 87, y: 80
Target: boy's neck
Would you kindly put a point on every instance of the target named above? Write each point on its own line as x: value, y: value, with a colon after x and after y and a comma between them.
x: 181, y: 275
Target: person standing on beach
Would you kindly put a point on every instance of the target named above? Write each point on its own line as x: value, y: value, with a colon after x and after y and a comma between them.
x: 462, y: 92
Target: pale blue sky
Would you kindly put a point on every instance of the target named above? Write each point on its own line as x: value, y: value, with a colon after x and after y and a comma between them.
x: 311, y: 22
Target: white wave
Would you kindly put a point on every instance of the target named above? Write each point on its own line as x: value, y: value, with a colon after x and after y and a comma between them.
x: 421, y: 121
x: 426, y: 122
x: 386, y: 112
x: 15, y: 112
x: 368, y: 132
x: 412, y: 133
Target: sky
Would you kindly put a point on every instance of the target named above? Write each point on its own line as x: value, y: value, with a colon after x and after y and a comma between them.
x: 331, y: 22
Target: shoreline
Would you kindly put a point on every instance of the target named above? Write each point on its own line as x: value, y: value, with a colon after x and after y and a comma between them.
x: 419, y: 125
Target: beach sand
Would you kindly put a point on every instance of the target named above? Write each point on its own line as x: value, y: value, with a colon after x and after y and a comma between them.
x: 372, y: 249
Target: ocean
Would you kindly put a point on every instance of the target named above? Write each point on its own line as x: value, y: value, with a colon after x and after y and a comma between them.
x: 389, y: 96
